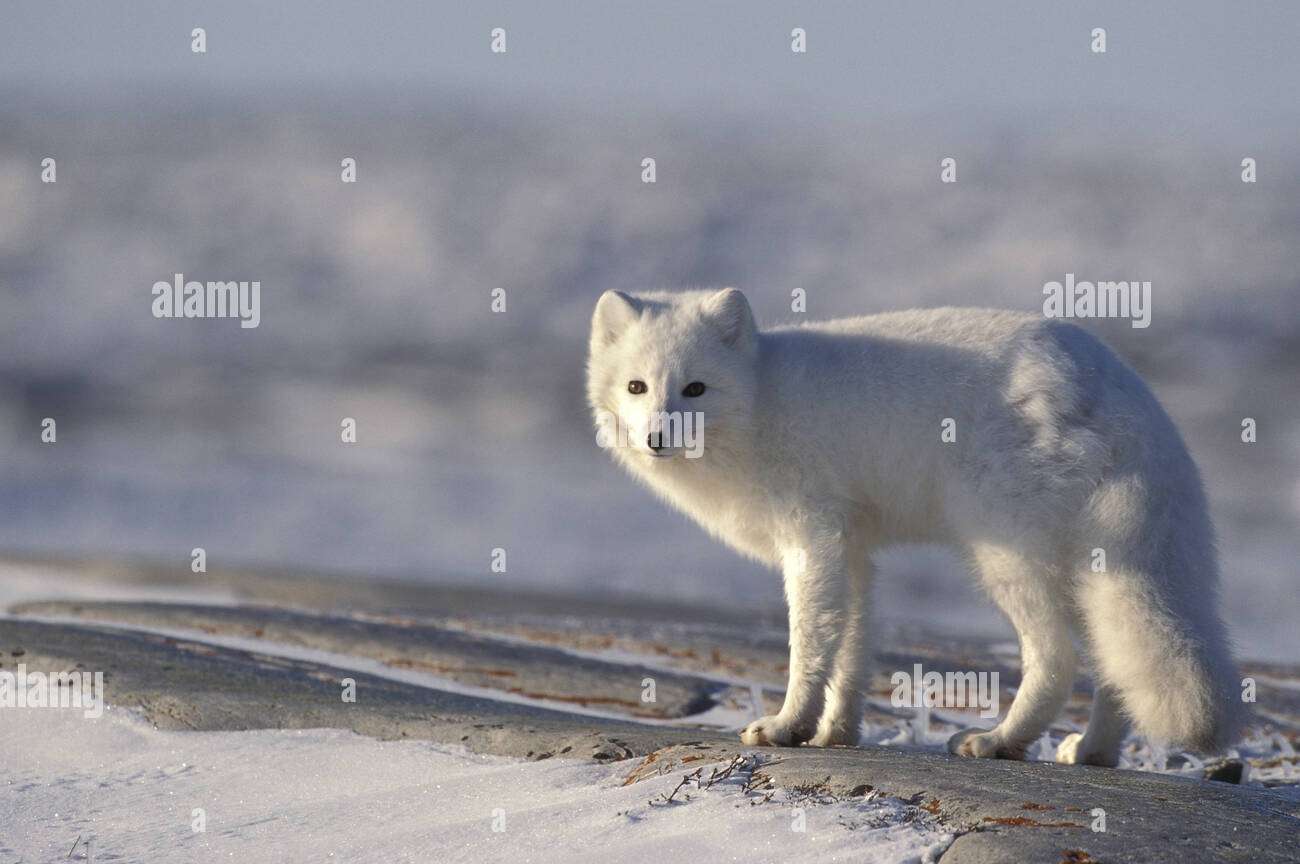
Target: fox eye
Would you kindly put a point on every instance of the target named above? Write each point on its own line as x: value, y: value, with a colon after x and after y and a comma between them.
x: 695, y: 388
x: 636, y: 388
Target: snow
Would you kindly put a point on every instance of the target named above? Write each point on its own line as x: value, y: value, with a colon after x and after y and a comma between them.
x: 117, y: 789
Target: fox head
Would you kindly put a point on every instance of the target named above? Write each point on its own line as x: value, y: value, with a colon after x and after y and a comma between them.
x: 667, y: 368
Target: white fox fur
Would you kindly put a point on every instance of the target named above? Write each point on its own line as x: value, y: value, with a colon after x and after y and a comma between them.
x: 822, y: 443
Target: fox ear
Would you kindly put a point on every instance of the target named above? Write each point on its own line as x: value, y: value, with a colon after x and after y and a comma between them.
x: 614, y: 312
x: 730, y: 313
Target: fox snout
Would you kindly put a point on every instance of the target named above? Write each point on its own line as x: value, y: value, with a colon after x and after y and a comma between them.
x: 671, y: 434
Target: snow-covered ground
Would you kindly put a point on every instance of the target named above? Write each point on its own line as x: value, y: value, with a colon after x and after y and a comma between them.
x: 116, y: 789
x: 1270, y: 756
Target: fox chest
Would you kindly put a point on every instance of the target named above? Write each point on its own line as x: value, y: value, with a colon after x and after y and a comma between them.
x: 739, y: 516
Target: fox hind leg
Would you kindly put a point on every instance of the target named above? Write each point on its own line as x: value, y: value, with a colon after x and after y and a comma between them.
x: 1034, y: 602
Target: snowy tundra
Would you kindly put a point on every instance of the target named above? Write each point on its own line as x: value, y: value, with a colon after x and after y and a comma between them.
x: 1023, y: 442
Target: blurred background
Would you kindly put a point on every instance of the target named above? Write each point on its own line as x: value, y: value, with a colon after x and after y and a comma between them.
x: 522, y: 171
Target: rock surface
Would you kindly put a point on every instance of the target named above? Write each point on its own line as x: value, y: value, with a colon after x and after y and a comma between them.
x: 200, y: 669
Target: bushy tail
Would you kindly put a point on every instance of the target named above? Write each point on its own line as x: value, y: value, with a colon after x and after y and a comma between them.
x: 1170, y: 663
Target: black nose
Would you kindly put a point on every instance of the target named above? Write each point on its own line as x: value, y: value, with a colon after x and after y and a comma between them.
x: 655, y: 441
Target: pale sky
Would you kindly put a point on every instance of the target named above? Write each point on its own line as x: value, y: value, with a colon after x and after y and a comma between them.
x: 1225, y: 63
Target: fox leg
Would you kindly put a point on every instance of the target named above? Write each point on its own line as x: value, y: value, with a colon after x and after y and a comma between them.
x: 1100, y: 744
x: 841, y: 720
x: 816, y: 590
x: 1040, y: 613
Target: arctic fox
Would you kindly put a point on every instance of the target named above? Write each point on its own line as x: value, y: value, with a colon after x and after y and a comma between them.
x: 1060, y: 479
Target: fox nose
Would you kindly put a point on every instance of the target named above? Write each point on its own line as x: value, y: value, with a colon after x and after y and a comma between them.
x: 655, y: 441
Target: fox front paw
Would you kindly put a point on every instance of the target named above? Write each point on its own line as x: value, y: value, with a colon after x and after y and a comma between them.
x: 774, y: 731
x: 983, y: 744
